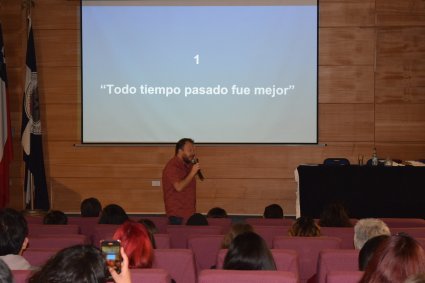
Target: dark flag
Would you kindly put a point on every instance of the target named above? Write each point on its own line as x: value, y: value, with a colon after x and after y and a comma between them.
x: 35, y: 186
x: 5, y: 130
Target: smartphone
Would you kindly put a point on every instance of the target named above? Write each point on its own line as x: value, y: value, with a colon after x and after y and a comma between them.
x: 112, y: 254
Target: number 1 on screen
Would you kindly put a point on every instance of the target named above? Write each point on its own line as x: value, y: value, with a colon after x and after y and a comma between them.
x: 196, y: 59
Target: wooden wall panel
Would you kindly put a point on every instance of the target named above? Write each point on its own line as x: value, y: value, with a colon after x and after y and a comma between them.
x: 347, y: 13
x: 400, y: 13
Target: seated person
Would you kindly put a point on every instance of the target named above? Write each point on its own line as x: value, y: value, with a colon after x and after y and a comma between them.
x: 249, y: 251
x: 235, y: 230
x: 368, y: 228
x: 368, y: 250
x: 151, y: 228
x: 5, y: 273
x: 305, y: 227
x: 197, y: 219
x: 113, y: 214
x: 90, y: 207
x: 217, y: 212
x: 273, y: 211
x: 335, y: 215
x: 13, y: 239
x: 55, y: 217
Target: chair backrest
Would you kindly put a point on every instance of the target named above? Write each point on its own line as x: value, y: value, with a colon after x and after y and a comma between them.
x: 180, y: 233
x: 38, y: 257
x: 418, y: 232
x: 34, y: 219
x: 162, y: 241
x: 179, y: 263
x: 346, y: 234
x: 150, y: 275
x: 87, y: 224
x: 404, y: 222
x: 55, y: 242
x: 246, y: 276
x: 103, y: 232
x: 308, y: 249
x: 21, y: 276
x: 205, y: 250
x: 225, y: 223
x: 336, y: 260
x: 336, y: 161
x: 344, y: 276
x: 41, y: 229
x: 269, y: 232
x: 269, y: 221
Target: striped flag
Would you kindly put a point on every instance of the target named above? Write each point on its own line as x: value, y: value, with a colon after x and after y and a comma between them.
x: 35, y: 186
x: 5, y: 130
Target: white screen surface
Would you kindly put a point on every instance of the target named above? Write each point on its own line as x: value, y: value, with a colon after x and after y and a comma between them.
x: 216, y: 73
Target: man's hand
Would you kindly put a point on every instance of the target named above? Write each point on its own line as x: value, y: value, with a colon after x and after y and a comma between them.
x: 195, y: 168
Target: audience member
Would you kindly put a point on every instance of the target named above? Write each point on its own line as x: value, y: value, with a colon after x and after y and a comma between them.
x: 273, y: 211
x: 217, y: 212
x: 395, y: 260
x: 13, y: 239
x: 137, y: 244
x: 235, y: 230
x: 55, y: 217
x: 151, y: 228
x: 113, y: 214
x: 90, y: 207
x: 5, y: 273
x: 368, y: 228
x: 335, y: 215
x: 368, y: 250
x: 249, y: 251
x: 305, y: 227
x: 80, y: 264
x: 197, y: 219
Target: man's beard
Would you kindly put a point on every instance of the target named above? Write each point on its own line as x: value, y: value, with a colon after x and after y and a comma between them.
x: 187, y: 160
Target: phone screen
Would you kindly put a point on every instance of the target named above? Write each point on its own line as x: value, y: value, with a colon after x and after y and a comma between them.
x: 111, y: 252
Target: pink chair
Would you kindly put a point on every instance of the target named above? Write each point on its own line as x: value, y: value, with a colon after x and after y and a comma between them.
x: 38, y: 257
x: 34, y: 219
x: 56, y: 242
x: 246, y: 276
x: 403, y: 222
x: 162, y: 241
x: 346, y: 234
x: 270, y: 221
x: 418, y: 232
x: 269, y: 232
x: 21, y: 276
x: 87, y: 224
x: 344, y: 276
x: 308, y: 249
x: 180, y: 233
x: 103, y: 232
x: 421, y: 242
x: 205, y: 250
x: 225, y: 223
x: 336, y: 260
x: 41, y: 229
x: 148, y: 275
x: 179, y: 263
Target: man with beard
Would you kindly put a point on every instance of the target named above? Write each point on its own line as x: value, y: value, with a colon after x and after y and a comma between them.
x: 179, y: 183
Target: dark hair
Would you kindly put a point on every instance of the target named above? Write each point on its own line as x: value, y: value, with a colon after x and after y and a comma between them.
x: 55, y: 217
x: 368, y: 250
x: 151, y: 228
x: 113, y: 214
x: 197, y: 219
x: 273, y: 211
x: 90, y: 207
x: 217, y: 212
x: 335, y: 215
x: 305, y: 226
x: 249, y: 251
x: 76, y: 264
x: 180, y: 144
x: 13, y: 231
x: 395, y: 259
x: 5, y: 273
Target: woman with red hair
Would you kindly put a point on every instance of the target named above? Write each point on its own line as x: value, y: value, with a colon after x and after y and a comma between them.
x: 136, y: 243
x: 395, y: 259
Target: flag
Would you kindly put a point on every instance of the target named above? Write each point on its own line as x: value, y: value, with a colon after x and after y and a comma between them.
x: 5, y: 130
x: 31, y: 138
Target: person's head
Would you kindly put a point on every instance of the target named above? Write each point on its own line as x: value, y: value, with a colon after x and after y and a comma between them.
x: 5, y: 273
x: 334, y: 215
x: 235, y: 230
x: 151, y: 228
x: 395, y: 259
x: 185, y: 149
x: 113, y: 214
x: 305, y: 227
x: 90, y: 207
x: 76, y: 264
x: 273, y: 211
x: 417, y: 278
x: 197, y: 219
x: 368, y: 228
x: 13, y: 232
x: 55, y: 217
x: 217, y: 212
x: 248, y: 251
x: 136, y: 243
x: 368, y: 250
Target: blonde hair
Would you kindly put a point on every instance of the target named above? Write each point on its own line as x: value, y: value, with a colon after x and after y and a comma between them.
x: 304, y: 227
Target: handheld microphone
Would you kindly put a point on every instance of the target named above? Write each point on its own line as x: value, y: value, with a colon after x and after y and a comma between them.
x: 194, y: 161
